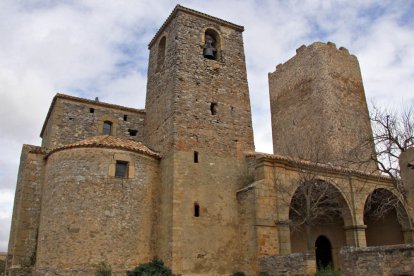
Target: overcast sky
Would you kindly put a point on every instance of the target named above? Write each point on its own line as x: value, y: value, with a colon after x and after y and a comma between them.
x: 99, y: 49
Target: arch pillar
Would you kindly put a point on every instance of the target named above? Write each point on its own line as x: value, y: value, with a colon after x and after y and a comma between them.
x: 408, y: 234
x: 355, y: 235
x: 283, y: 230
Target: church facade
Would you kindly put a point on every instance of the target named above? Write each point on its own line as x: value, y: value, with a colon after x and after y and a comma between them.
x: 181, y: 181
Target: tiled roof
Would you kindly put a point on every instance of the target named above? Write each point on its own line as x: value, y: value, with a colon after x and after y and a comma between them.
x: 86, y: 101
x: 107, y: 141
x: 196, y: 13
x: 310, y: 164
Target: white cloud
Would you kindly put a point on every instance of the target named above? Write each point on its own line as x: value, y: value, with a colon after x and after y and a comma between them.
x: 90, y: 48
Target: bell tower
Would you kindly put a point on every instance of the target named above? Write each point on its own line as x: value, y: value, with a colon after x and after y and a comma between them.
x: 198, y: 117
x: 197, y: 94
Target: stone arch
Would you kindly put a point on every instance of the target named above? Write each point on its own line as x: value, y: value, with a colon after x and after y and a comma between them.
x: 386, y: 218
x: 161, y: 49
x: 347, y: 213
x: 331, y: 219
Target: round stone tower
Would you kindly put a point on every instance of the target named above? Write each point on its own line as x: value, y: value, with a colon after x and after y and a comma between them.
x: 97, y: 205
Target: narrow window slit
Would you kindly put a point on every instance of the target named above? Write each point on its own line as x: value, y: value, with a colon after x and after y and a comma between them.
x: 213, y: 108
x: 125, y: 117
x: 196, y: 210
x: 196, y: 157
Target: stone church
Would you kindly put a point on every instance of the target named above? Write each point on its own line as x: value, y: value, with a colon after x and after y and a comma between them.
x: 181, y: 181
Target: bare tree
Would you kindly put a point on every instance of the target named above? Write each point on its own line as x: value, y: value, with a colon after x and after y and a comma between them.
x: 393, y: 134
x: 314, y: 202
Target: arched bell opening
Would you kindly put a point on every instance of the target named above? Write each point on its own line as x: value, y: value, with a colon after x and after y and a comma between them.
x: 161, y: 53
x: 211, y: 49
x: 385, y: 218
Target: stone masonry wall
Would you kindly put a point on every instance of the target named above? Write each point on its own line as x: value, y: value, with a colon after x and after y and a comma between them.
x: 292, y: 264
x: 318, y: 105
x: 89, y: 216
x: 210, y: 243
x: 25, y: 222
x: 378, y: 260
x: 71, y: 121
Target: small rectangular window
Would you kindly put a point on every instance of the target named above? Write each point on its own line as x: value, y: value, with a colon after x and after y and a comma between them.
x: 196, y: 210
x: 91, y: 110
x: 196, y: 157
x: 121, y: 169
x: 107, y: 128
x: 213, y: 108
x: 125, y: 117
x: 132, y: 132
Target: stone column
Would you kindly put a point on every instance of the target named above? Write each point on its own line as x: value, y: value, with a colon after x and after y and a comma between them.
x: 355, y: 235
x: 408, y: 235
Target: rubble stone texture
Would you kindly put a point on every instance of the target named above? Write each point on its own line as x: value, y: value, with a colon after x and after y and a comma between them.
x: 321, y: 88
x: 195, y: 193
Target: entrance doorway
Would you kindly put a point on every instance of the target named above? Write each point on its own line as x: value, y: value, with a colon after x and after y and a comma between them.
x: 323, y: 252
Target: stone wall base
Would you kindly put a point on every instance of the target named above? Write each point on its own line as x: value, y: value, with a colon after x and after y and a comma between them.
x: 292, y: 264
x: 377, y: 260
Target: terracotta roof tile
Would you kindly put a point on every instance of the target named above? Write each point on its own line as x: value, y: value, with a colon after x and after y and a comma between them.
x: 310, y: 164
x: 107, y: 141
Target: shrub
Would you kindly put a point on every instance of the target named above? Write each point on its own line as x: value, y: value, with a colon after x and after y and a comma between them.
x: 264, y: 274
x: 103, y: 269
x: 154, y: 268
x: 327, y: 271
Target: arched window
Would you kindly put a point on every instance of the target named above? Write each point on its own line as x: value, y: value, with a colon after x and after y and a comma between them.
x: 107, y: 128
x: 161, y: 53
x: 211, y: 48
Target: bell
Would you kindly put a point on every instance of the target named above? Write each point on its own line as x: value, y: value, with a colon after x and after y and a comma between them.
x: 209, y: 53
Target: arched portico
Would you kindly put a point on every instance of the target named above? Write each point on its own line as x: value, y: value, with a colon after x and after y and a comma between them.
x: 319, y: 209
x: 386, y: 218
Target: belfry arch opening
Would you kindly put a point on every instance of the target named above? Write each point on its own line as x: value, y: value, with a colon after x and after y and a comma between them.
x: 211, y: 49
x: 323, y: 252
x: 161, y: 53
x: 385, y: 218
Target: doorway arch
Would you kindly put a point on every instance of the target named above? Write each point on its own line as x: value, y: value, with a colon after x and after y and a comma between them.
x: 323, y: 252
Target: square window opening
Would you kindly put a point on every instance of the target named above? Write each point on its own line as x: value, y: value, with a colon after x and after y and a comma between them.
x: 132, y: 132
x: 121, y: 169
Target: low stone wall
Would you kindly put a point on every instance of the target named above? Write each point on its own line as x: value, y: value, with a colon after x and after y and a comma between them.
x: 292, y: 264
x: 377, y: 260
